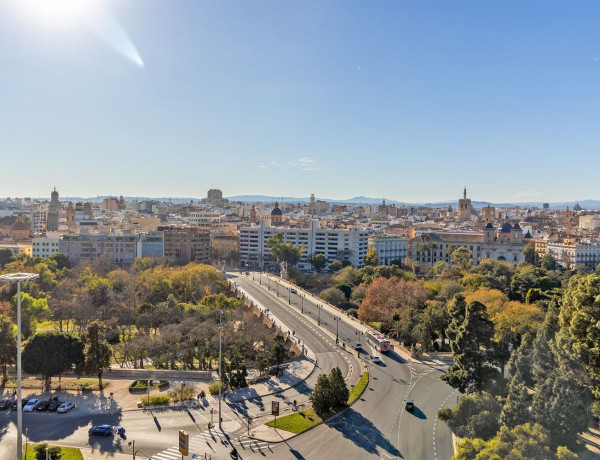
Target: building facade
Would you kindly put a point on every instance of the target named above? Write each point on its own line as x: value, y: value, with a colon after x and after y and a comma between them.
x: 46, y: 246
x: 118, y: 249
x: 186, y: 244
x: 389, y: 248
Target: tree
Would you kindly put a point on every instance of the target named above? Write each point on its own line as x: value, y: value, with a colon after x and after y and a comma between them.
x: 8, y: 346
x: 475, y: 416
x: 548, y: 262
x: 529, y: 253
x: 278, y: 351
x: 330, y: 393
x: 321, y: 395
x: 6, y: 256
x: 339, y: 390
x: 523, y: 442
x: 97, y: 351
x: 52, y: 353
x: 336, y: 266
x: 516, y: 408
x: 333, y: 295
x: 284, y: 252
x: 580, y: 314
x: 372, y: 259
x: 462, y: 257
x: 473, y: 352
x: 318, y: 261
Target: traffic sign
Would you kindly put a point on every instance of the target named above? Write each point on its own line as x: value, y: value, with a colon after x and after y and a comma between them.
x: 184, y: 442
x: 193, y: 456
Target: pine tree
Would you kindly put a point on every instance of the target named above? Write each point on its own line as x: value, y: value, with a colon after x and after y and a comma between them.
x: 97, y: 351
x: 456, y: 311
x: 516, y: 408
x: 339, y: 390
x: 542, y: 356
x: 520, y: 361
x: 472, y: 350
x: 321, y: 395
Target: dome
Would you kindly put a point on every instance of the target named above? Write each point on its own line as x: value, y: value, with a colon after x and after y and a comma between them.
x: 18, y: 226
x: 506, y: 228
x: 529, y: 219
x: 516, y: 226
x: 276, y: 211
x: 489, y: 225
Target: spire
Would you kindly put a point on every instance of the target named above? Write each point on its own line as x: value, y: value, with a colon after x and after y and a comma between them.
x: 465, y: 193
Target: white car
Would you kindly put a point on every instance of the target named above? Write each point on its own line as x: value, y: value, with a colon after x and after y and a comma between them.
x: 293, y: 291
x: 376, y: 359
x: 65, y: 407
x: 30, y: 406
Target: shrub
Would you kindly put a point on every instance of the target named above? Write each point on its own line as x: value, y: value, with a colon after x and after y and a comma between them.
x: 213, y: 388
x: 156, y: 400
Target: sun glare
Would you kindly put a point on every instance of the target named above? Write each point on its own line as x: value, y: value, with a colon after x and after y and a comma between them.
x: 59, y: 12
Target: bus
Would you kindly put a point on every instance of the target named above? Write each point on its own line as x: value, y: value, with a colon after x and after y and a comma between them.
x: 379, y: 342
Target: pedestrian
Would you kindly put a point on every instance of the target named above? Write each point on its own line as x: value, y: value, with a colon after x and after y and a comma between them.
x: 199, y: 396
x: 14, y: 393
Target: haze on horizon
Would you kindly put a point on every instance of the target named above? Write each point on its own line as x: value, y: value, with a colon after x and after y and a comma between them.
x: 405, y: 100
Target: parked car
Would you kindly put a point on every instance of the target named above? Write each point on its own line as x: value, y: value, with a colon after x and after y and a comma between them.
x: 376, y: 359
x: 101, y: 430
x: 357, y: 346
x: 30, y: 406
x: 14, y: 403
x: 409, y: 405
x: 43, y: 405
x: 4, y: 404
x: 65, y: 407
x: 54, y: 404
x: 293, y: 291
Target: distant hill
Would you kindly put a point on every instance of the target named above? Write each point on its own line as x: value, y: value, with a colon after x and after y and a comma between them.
x: 357, y: 200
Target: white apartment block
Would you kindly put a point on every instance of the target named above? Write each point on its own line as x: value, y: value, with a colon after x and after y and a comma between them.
x: 46, y: 246
x: 201, y: 218
x: 350, y: 244
x: 575, y: 254
x: 389, y: 248
x: 39, y: 217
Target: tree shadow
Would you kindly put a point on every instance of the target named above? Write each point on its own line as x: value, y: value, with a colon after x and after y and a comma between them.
x: 361, y: 431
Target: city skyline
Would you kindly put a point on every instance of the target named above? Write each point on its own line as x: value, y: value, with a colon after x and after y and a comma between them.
x: 408, y: 101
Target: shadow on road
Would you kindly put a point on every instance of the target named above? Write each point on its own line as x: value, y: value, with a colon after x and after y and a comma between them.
x: 361, y: 431
x: 418, y: 413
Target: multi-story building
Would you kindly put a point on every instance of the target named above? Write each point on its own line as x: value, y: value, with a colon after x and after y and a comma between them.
x: 47, y: 245
x: 349, y: 244
x: 389, y: 248
x: 573, y: 254
x: 505, y: 244
x: 118, y: 249
x: 150, y: 245
x: 224, y: 244
x: 39, y: 217
x: 186, y: 244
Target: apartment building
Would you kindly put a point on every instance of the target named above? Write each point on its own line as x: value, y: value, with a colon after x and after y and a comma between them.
x: 47, y: 245
x: 118, y: 249
x: 573, y: 254
x: 186, y: 244
x: 349, y: 244
x: 389, y: 248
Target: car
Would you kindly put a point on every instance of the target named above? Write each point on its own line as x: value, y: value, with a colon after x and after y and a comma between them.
x: 4, y: 404
x: 43, y: 405
x: 376, y: 359
x: 14, y: 403
x: 54, y: 404
x: 247, y: 273
x: 101, y: 430
x: 65, y: 407
x: 409, y: 405
x: 30, y: 406
x: 293, y: 291
x: 357, y: 346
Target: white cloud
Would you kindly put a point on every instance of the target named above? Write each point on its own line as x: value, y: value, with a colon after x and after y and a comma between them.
x: 302, y: 164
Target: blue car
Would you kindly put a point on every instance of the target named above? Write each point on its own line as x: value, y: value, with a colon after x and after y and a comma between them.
x: 101, y: 430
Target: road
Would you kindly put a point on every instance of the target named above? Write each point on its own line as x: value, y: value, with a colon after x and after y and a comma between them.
x: 376, y: 426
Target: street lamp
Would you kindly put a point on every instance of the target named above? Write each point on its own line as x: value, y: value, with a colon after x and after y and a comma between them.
x: 289, y: 296
x: 302, y: 300
x: 17, y: 278
x: 220, y: 366
x: 337, y: 324
x: 319, y: 308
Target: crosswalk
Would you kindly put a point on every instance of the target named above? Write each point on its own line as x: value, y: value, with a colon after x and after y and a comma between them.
x: 201, y: 444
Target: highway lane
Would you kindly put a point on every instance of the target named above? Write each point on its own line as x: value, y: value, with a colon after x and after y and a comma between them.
x: 390, y: 431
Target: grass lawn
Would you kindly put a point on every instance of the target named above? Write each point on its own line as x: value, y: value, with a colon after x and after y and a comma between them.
x: 359, y: 388
x: 68, y: 453
x: 297, y: 422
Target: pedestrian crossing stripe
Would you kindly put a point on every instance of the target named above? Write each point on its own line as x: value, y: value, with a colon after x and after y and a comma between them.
x: 198, y: 444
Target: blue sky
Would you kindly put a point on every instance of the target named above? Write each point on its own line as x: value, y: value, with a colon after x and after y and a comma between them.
x: 410, y: 100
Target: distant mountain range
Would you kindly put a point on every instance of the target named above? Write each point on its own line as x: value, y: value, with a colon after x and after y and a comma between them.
x: 357, y: 200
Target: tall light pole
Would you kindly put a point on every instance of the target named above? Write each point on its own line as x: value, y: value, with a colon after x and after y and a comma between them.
x: 289, y: 296
x: 319, y: 320
x: 220, y: 366
x: 337, y: 324
x: 12, y: 278
x: 302, y: 300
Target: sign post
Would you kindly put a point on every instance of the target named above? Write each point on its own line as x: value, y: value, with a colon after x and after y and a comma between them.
x: 184, y: 443
x: 275, y: 410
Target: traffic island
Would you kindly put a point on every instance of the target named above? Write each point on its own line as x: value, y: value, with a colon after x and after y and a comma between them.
x: 54, y: 452
x: 297, y: 423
